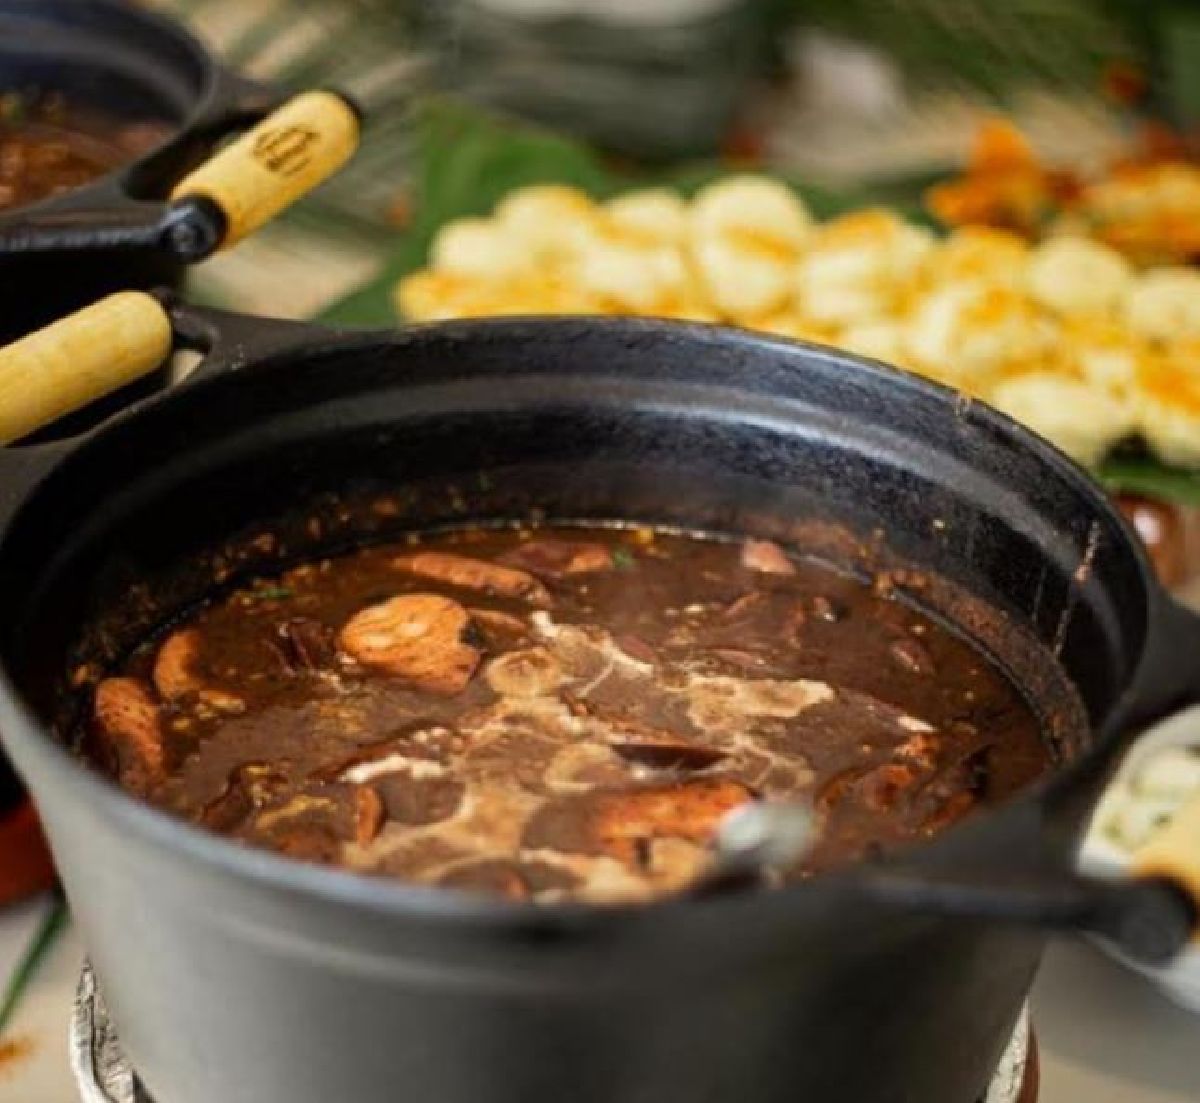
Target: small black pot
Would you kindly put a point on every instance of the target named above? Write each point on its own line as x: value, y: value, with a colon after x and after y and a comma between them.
x: 240, y: 976
x: 113, y: 234
x: 122, y: 231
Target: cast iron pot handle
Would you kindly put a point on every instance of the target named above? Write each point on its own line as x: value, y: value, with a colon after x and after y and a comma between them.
x: 235, y: 192
x: 1172, y: 677
x: 93, y: 352
x: 1154, y: 914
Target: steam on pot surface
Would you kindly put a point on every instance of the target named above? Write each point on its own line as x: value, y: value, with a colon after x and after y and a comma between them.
x: 557, y: 713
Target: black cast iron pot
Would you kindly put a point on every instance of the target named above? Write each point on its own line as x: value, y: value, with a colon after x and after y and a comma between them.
x: 239, y: 976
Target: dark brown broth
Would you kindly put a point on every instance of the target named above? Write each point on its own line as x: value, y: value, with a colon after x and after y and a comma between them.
x: 552, y: 734
x: 49, y: 146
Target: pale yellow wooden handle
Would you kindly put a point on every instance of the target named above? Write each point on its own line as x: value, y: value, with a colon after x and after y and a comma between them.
x: 1174, y: 852
x: 269, y: 167
x: 79, y: 359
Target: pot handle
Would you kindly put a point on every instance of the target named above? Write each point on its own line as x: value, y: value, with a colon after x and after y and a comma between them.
x: 260, y: 174
x: 234, y: 193
x: 1172, y: 680
x: 1151, y: 916
x: 1173, y: 854
x: 86, y: 355
x: 72, y: 362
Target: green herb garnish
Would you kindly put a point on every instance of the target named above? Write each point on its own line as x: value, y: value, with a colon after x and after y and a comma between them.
x: 273, y: 593
x: 624, y: 559
x: 43, y: 941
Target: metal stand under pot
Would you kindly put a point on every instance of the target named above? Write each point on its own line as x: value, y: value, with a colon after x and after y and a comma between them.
x: 103, y: 1075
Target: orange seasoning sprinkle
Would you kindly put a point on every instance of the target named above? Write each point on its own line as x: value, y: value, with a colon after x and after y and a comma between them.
x: 1173, y: 385
x: 13, y: 1051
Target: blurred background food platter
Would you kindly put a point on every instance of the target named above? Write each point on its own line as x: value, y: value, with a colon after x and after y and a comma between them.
x: 1003, y: 198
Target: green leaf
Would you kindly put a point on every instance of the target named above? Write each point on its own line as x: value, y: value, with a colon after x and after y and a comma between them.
x: 47, y: 934
x: 271, y: 593
x: 1149, y: 477
x: 624, y: 559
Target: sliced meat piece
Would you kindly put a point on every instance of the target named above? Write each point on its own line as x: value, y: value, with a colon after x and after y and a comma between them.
x: 558, y: 558
x: 130, y: 724
x: 675, y: 863
x: 496, y: 877
x: 417, y: 637
x: 309, y: 842
x: 308, y: 645
x: 500, y: 631
x: 250, y: 787
x: 176, y: 674
x: 308, y: 826
x: 369, y: 814
x: 618, y: 824
x: 883, y: 787
x: 175, y: 667
x: 747, y: 606
x: 300, y: 805
x: 642, y: 745
x: 228, y: 811
x: 474, y: 574
x: 514, y: 880
x: 690, y: 810
x: 766, y: 558
x: 530, y: 673
x: 417, y: 801
x: 637, y: 648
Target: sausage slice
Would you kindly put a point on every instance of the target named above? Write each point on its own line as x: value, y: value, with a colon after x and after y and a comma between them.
x: 417, y: 637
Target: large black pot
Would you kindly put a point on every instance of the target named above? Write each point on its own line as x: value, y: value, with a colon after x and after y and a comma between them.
x: 239, y: 976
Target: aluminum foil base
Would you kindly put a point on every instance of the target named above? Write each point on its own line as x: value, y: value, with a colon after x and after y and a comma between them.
x: 105, y: 1076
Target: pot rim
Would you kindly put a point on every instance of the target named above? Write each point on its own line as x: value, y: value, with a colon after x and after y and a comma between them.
x: 393, y: 898
x: 208, y: 96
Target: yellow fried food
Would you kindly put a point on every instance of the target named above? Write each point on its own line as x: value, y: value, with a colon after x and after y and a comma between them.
x: 1064, y: 335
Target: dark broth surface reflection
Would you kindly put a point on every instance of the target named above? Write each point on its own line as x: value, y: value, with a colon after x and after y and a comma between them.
x: 561, y: 713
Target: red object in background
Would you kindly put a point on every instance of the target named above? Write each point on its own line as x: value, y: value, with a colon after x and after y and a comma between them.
x: 1170, y: 535
x: 26, y: 867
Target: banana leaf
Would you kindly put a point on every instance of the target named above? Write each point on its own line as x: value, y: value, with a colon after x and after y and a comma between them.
x: 1144, y: 475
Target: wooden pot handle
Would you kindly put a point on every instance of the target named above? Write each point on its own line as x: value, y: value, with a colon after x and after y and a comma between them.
x: 1174, y: 853
x: 72, y: 362
x: 269, y: 167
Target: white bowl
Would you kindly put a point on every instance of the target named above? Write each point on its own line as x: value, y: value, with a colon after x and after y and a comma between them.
x: 1101, y: 856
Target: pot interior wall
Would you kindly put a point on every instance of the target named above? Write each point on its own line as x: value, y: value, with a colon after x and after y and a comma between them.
x: 101, y: 54
x: 696, y: 428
